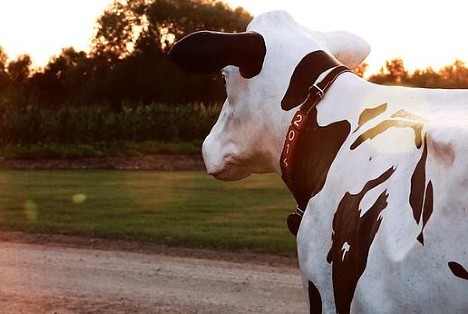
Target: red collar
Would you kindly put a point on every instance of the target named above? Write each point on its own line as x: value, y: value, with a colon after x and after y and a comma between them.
x: 300, y: 120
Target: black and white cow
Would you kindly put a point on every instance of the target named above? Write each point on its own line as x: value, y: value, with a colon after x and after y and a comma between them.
x: 381, y: 172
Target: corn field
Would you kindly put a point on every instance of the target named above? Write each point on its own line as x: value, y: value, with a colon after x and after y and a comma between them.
x: 89, y: 124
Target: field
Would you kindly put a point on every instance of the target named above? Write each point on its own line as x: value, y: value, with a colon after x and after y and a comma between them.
x: 187, y: 209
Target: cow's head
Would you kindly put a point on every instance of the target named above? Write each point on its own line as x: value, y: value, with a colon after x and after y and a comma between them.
x: 257, y: 66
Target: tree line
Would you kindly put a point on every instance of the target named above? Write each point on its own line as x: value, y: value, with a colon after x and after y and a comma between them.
x: 126, y: 90
x: 454, y: 75
x: 127, y: 62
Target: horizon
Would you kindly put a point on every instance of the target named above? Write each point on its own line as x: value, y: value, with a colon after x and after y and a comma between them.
x: 41, y: 39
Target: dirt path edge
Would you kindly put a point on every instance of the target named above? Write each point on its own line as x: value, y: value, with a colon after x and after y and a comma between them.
x: 84, y: 242
x: 151, y: 162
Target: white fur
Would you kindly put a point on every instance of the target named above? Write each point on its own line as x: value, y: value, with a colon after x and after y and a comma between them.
x: 402, y: 276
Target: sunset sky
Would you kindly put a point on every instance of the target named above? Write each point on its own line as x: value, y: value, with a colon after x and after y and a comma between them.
x: 422, y: 33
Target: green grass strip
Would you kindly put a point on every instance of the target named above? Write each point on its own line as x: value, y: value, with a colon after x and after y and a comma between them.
x: 176, y: 208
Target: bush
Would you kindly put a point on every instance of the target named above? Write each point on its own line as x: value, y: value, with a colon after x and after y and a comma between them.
x: 91, y: 124
x: 97, y: 149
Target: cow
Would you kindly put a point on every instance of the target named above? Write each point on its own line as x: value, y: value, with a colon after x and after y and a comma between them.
x: 380, y: 173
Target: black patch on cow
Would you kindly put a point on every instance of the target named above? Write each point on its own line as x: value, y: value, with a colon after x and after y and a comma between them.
x: 421, y: 195
x: 305, y: 74
x: 385, y: 125
x: 458, y: 270
x: 371, y: 113
x: 427, y: 210
x: 418, y: 182
x: 318, y: 148
x: 315, y: 300
x: 358, y: 233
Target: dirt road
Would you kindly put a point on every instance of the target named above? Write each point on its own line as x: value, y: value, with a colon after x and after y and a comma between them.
x: 40, y: 278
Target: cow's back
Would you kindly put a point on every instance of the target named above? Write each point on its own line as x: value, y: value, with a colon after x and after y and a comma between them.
x: 387, y: 232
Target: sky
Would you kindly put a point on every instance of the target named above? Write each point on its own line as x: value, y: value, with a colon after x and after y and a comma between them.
x: 41, y: 28
x: 423, y: 33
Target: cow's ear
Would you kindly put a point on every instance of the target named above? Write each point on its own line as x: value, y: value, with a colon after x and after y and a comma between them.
x: 305, y: 74
x: 207, y: 51
x: 348, y: 48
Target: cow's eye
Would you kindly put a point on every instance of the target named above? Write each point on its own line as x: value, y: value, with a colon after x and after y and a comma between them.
x: 224, y: 75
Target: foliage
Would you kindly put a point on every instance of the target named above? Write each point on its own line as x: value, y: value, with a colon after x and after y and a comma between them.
x: 128, y: 75
x: 18, y: 70
x: 97, y: 149
x: 454, y: 75
x: 361, y: 69
x: 176, y: 208
x: 128, y: 60
x: 139, y: 26
x: 94, y: 124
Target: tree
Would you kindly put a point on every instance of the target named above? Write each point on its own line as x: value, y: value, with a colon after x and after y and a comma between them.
x: 425, y: 78
x: 19, y: 69
x: 133, y: 37
x: 3, y: 74
x: 64, y: 78
x: 174, y: 19
x: 361, y: 69
x: 115, y: 30
x: 132, y: 25
x: 456, y: 74
x: 394, y: 72
x: 3, y: 59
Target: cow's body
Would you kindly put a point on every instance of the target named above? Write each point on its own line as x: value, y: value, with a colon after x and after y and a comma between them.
x: 406, y: 265
x: 386, y: 233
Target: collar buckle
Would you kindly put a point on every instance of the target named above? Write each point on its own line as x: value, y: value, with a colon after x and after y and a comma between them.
x: 318, y: 91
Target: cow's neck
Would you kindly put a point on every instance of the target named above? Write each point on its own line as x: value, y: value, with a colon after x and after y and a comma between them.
x: 309, y: 148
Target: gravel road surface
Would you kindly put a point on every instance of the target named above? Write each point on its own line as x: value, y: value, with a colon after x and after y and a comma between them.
x: 43, y: 278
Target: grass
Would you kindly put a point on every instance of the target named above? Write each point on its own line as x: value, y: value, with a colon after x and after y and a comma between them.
x: 175, y: 208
